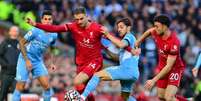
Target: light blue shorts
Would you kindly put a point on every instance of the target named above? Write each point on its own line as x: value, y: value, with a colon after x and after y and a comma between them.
x: 38, y: 69
x: 126, y: 75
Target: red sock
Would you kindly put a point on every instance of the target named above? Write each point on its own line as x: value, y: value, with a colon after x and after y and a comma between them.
x: 180, y: 98
x: 80, y: 88
x: 91, y: 97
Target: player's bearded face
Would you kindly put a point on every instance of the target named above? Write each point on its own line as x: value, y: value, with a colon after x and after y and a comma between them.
x: 159, y: 28
x: 47, y: 19
x: 81, y: 19
x: 122, y: 29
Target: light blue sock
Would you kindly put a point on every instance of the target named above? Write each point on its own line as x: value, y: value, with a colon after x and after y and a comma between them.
x: 48, y: 94
x: 91, y: 86
x: 16, y: 95
x: 131, y: 98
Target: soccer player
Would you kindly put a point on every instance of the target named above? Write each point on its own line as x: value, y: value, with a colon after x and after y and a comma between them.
x: 87, y: 35
x: 197, y: 66
x: 170, y: 65
x: 127, y: 72
x: 30, y: 60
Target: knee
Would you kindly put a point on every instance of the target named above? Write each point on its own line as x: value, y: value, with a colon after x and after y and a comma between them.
x: 20, y: 86
x: 76, y: 82
x: 161, y: 97
x: 45, y: 86
x: 169, y: 97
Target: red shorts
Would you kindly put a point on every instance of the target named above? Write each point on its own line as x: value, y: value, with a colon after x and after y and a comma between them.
x: 91, y: 67
x: 173, y: 78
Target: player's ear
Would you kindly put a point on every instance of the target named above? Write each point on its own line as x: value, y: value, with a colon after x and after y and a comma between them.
x: 128, y: 28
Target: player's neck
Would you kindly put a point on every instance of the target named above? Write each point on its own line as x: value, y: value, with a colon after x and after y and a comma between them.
x: 166, y: 34
x: 87, y: 25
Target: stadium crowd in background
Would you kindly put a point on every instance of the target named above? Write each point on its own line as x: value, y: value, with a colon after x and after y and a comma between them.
x: 186, y: 21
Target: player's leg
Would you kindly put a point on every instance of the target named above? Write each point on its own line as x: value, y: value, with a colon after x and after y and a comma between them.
x: 22, y: 76
x: 173, y: 84
x: 94, y: 81
x: 17, y: 92
x: 48, y: 91
x: 126, y: 89
x: 80, y: 85
x: 85, y: 72
x: 161, y: 88
x: 125, y: 95
x: 80, y: 82
x: 170, y: 93
x: 161, y: 93
x: 40, y: 72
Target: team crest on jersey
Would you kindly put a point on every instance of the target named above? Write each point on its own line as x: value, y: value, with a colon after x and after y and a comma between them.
x: 29, y: 33
x: 175, y: 47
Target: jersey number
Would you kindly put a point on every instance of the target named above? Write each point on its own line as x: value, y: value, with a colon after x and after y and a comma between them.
x: 174, y: 76
x: 93, y: 65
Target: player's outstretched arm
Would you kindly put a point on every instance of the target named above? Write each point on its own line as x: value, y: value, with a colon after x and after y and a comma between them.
x: 144, y: 36
x: 120, y: 43
x: 22, y: 42
x: 46, y: 27
x: 113, y: 39
x: 197, y: 65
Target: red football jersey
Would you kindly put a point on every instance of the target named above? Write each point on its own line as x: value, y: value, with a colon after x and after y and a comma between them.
x: 87, y: 41
x: 165, y: 47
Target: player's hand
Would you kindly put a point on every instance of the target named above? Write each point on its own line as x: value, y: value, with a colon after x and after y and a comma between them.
x: 104, y: 30
x: 52, y: 67
x: 28, y: 65
x: 136, y: 51
x: 149, y: 84
x: 137, y: 44
x: 195, y: 72
x: 31, y: 22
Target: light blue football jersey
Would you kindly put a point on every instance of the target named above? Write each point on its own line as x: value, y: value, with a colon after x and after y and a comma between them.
x: 125, y: 57
x: 38, y: 43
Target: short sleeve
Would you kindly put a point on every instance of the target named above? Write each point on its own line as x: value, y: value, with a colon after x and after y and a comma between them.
x: 30, y: 35
x: 174, y: 49
x: 129, y: 40
x: 105, y: 42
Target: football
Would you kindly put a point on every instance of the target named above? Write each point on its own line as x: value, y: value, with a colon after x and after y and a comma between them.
x: 72, y: 95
